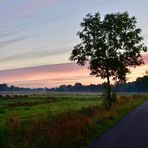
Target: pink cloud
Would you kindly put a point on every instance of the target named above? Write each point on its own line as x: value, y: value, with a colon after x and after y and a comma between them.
x: 145, y: 58
x: 58, y: 74
x: 47, y: 75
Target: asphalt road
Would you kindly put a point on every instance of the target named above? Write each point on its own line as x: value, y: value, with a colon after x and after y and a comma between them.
x: 130, y: 132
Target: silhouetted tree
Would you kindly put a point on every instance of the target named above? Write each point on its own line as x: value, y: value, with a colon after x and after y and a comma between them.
x: 3, y: 87
x: 110, y: 46
x: 142, y: 83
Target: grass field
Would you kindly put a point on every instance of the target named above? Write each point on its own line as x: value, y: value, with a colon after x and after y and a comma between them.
x: 58, y: 121
x: 29, y: 107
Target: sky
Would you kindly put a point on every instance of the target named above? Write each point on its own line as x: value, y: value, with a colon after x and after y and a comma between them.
x: 37, y: 37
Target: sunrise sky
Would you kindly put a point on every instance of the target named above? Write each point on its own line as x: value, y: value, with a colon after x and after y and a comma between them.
x: 37, y: 37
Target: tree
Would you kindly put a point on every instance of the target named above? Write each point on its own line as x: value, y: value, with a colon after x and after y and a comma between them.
x: 3, y: 87
x: 110, y: 46
x: 142, y: 83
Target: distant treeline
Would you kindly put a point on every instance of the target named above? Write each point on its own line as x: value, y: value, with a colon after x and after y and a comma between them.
x: 140, y: 85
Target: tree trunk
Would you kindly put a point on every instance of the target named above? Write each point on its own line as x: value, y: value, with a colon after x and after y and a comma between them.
x: 109, y: 91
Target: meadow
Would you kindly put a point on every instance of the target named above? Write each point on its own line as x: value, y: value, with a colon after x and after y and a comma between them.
x: 25, y: 107
x: 64, y: 121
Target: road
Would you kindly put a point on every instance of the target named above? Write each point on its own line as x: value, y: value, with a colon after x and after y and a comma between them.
x: 130, y: 132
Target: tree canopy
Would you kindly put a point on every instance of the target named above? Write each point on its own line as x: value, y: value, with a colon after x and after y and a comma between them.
x: 114, y: 43
x: 110, y: 45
